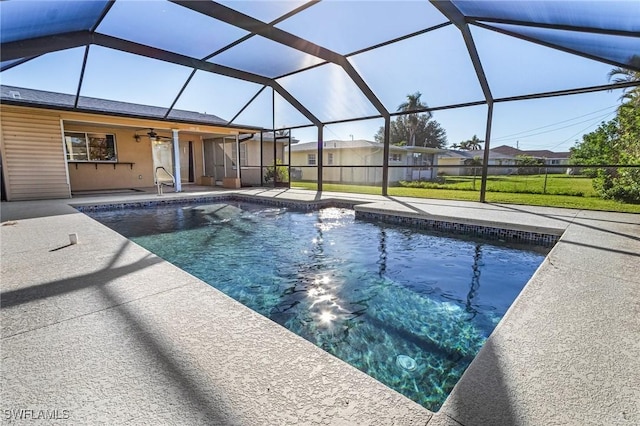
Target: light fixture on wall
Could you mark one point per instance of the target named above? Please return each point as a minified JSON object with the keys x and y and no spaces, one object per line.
{"x":137,"y":137}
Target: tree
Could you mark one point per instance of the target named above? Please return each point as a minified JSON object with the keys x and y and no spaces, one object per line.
{"x":472,"y":144}
{"x":596,"y":147}
{"x":615,"y":142}
{"x":434,"y":135}
{"x":427,"y":133}
{"x":413,"y":103}
{"x":623,"y":75}
{"x":528,"y":160}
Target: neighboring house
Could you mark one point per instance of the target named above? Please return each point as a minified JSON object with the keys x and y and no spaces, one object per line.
{"x":360,"y":162}
{"x":459,"y":162}
{"x":507,"y":150}
{"x":549,"y":157}
{"x":51,"y":148}
{"x":503,"y":159}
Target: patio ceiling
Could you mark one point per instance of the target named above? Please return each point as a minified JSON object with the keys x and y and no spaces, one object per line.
{"x":294,"y":63}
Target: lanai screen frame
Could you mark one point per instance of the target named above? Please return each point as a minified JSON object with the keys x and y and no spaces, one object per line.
{"x":17,"y":51}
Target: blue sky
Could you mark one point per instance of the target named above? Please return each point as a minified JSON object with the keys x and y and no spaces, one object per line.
{"x":435,"y":64}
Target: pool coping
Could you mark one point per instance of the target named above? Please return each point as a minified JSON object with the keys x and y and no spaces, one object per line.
{"x":500,"y":386}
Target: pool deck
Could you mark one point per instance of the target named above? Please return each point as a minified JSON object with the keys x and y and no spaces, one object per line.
{"x":105,"y":332}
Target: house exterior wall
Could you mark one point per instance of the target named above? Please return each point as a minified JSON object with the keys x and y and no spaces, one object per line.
{"x":450,"y":171}
{"x":507,"y":167}
{"x":343,"y":157}
{"x":557,"y":162}
{"x":89,"y":176}
{"x":33,"y":157}
{"x":250,"y":172}
{"x":140,"y":174}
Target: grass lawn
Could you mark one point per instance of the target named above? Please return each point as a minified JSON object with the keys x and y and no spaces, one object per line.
{"x":455,"y":188}
{"x":556,"y":184}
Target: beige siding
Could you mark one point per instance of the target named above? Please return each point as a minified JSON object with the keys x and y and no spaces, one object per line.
{"x":33,"y":156}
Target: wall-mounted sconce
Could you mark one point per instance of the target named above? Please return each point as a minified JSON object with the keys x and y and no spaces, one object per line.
{"x":137,"y":138}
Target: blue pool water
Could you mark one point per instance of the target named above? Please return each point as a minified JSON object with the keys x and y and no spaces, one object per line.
{"x":409,"y":308}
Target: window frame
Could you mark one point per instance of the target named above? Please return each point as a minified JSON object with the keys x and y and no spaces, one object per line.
{"x":90,"y":147}
{"x":329,"y":158}
{"x":310,"y":157}
{"x":242,"y":155}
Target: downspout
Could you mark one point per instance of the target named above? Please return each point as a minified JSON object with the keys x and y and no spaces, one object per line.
{"x":176,"y":160}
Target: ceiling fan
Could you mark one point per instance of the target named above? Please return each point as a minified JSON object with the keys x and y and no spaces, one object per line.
{"x":152,"y":135}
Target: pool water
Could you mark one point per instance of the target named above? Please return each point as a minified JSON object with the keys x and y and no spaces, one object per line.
{"x":407,"y":307}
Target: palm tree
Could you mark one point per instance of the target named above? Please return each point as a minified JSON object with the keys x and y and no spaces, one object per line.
{"x":413,"y":103}
{"x":623,"y":75}
{"x":472,"y":144}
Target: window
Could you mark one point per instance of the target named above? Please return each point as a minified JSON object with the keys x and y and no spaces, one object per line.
{"x":395,"y":157}
{"x":243,"y":155}
{"x":90,"y":146}
{"x":330,"y":159}
{"x":311,"y":159}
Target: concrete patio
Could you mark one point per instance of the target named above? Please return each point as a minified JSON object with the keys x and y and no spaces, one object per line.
{"x":106,"y":332}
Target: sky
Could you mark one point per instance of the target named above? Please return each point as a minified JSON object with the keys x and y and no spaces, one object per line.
{"x":436,"y":64}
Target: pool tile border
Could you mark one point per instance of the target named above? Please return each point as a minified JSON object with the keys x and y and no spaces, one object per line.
{"x":485,"y":232}
{"x":307,"y":206}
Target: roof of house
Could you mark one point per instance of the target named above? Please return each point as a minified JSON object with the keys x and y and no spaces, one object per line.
{"x":547,"y":154}
{"x":542,"y":153}
{"x":31,"y":97}
{"x":337,"y":144}
{"x":507,"y":150}
{"x":464,"y":155}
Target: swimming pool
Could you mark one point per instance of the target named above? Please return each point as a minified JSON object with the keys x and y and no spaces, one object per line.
{"x":407,"y":307}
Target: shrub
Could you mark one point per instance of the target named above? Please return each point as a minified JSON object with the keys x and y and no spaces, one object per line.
{"x":282,"y":173}
{"x":620,"y":185}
